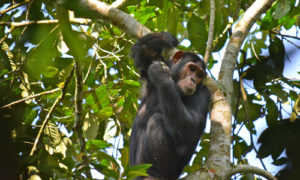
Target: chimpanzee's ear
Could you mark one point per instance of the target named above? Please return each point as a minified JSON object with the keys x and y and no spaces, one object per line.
{"x":177,"y":56}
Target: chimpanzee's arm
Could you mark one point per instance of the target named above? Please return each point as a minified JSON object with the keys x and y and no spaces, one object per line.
{"x":169,"y":96}
{"x":149,"y":48}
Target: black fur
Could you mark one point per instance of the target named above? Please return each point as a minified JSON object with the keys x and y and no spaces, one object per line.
{"x":169,"y":124}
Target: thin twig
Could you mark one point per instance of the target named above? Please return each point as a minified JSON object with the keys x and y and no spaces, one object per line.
{"x":79,"y":118}
{"x":297,"y":46}
{"x":30,"y":97}
{"x":246,"y":107}
{"x":88,"y":71}
{"x":6,"y":34}
{"x":254,"y":52}
{"x":13,"y":7}
{"x":41,"y":22}
{"x":210,"y":32}
{"x":227,"y":28}
{"x":285,"y":35}
{"x":254,"y":148}
{"x":250,"y":169}
{"x":44,"y":124}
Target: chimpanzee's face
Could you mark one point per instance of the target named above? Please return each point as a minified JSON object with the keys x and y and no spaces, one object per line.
{"x":189,"y":71}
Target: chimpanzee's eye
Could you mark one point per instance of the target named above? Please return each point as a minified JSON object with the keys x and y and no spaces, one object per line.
{"x":192,"y":68}
{"x":200,"y":74}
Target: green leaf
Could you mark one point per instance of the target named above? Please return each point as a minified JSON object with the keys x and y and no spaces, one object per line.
{"x":40,"y":57}
{"x":97,"y":144}
{"x":201,"y":156}
{"x":172,"y":20}
{"x":287,"y":21}
{"x":221,"y":42}
{"x":141,"y":167}
{"x":282,"y":8}
{"x":50,"y":72}
{"x":273,"y":141}
{"x":279,"y":91}
{"x":106,"y":112}
{"x":272,"y":115}
{"x":98,"y":98}
{"x":240,"y":148}
{"x":139,"y":170}
{"x":280,"y":161}
{"x":125,"y":157}
{"x":219,"y":22}
{"x":132,"y":83}
{"x":3,"y":71}
{"x":162,"y":19}
{"x":132,"y":174}
{"x":108,"y":165}
{"x":105,"y":170}
{"x":296,"y":110}
{"x":197,"y":33}
{"x":55,"y":141}
{"x":29,"y":115}
{"x":90,"y":126}
{"x":268,"y":22}
{"x":254,"y":111}
{"x":142,"y":14}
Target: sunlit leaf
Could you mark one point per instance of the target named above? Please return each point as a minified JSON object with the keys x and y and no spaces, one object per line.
{"x":56,"y":142}
{"x":282,"y":8}
{"x":125,"y":157}
{"x":268,"y":22}
{"x":90,"y":127}
{"x":139,"y":170}
{"x":106,"y":112}
{"x":29,"y":115}
{"x":97,"y":144}
{"x":296,"y":110}
{"x":50,"y":71}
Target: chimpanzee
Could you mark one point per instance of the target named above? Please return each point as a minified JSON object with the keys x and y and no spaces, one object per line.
{"x":173,"y":110}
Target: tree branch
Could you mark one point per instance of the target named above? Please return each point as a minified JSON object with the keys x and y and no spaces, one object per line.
{"x":285,"y":35}
{"x":241,"y":31}
{"x":76,"y":50}
{"x":117,"y":17}
{"x":118,"y":3}
{"x":221,"y":113}
{"x":6,"y":35}
{"x":44,"y":124}
{"x":210,"y":31}
{"x":250,"y":169}
{"x":55,"y":21}
{"x":30,"y":97}
{"x":13,"y":7}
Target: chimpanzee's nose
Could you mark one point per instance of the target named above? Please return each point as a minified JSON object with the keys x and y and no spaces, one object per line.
{"x":193,"y":80}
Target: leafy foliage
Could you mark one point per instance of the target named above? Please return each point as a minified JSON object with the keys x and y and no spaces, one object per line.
{"x":35,"y":64}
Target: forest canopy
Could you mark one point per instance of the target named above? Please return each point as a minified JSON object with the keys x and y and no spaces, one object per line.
{"x":69,"y":90}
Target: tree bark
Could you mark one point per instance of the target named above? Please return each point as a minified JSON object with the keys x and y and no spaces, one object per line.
{"x":221,"y":113}
{"x":118,"y":18}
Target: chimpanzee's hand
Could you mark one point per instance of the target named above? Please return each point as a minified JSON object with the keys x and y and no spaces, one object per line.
{"x":158,"y":71}
{"x":159,"y":67}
